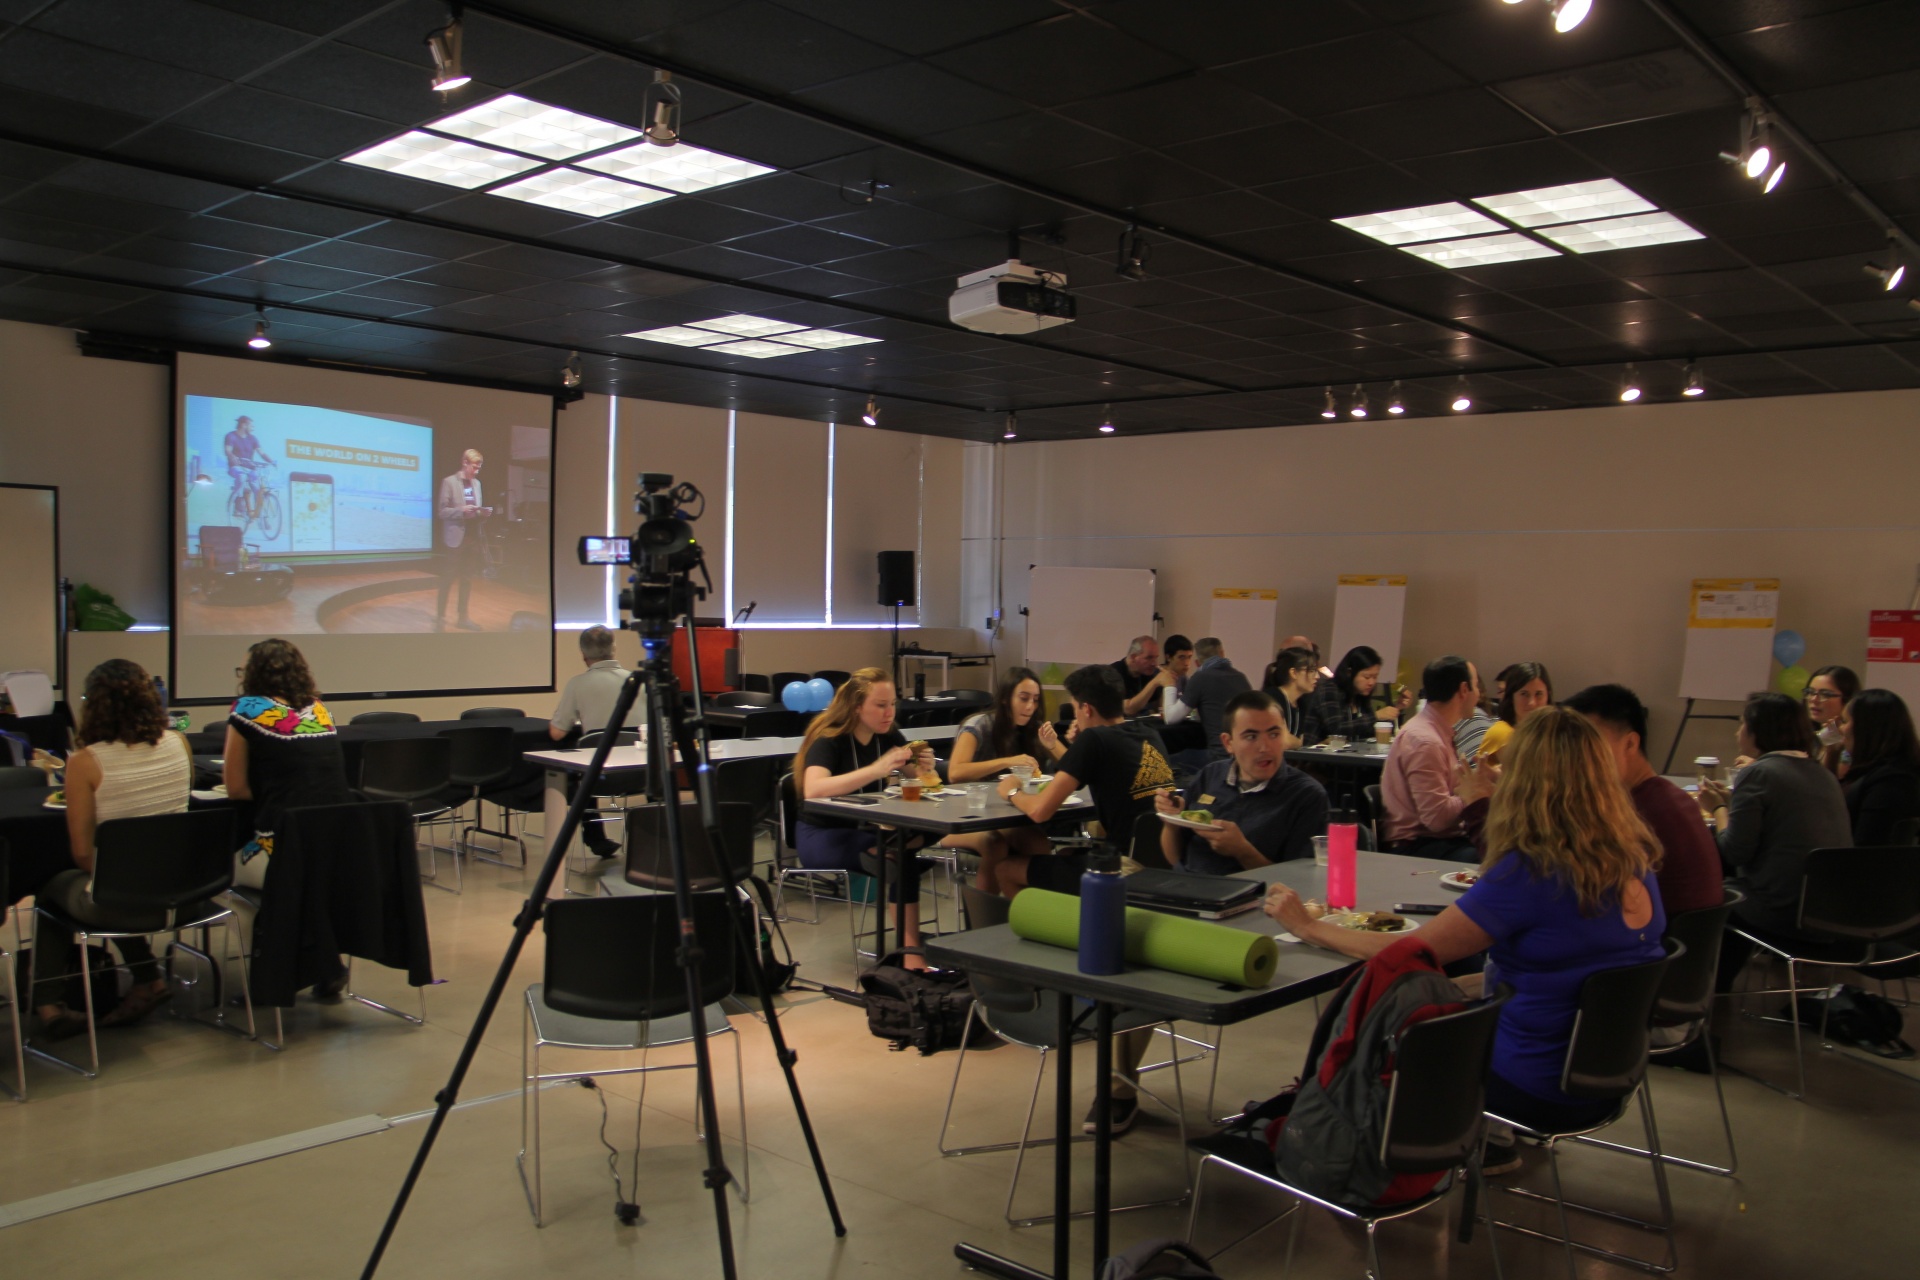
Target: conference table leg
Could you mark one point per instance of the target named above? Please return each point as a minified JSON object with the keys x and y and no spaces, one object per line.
{"x":1103,"y":1130}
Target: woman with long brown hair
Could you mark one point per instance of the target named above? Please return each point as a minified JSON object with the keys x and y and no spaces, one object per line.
{"x":281,"y":750}
{"x":1010,"y":733}
{"x":1566,"y":889}
{"x":851,"y":747}
{"x":127,"y":765}
{"x":1525,"y":688}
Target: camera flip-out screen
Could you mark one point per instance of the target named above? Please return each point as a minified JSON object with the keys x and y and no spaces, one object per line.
{"x":595,"y":549}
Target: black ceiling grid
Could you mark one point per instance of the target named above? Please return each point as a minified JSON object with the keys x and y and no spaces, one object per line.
{"x":167,"y":163}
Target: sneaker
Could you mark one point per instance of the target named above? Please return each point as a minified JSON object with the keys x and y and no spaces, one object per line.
{"x":1498,"y":1158}
{"x":1121,"y":1113}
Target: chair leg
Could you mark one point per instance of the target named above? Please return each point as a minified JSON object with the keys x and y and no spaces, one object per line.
{"x":1726,"y":1122}
{"x":953,"y":1088}
{"x":740,"y":1089}
{"x":19,"y":1088}
{"x":1373,"y":1250}
{"x":1793,"y":1011}
{"x":1013,"y":1184}
{"x":86,"y":987}
{"x":1560,"y":1203}
{"x":33,"y":998}
{"x":529,"y":1116}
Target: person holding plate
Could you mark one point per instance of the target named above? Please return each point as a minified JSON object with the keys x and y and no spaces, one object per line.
{"x":1263,"y":809}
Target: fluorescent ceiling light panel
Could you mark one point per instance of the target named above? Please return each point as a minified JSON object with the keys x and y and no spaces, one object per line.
{"x":756,"y":348}
{"x":1428,"y":222}
{"x":445,"y":160}
{"x":534,"y":127}
{"x":1578,"y":201}
{"x":680,"y":336}
{"x":1481,"y":251}
{"x":677,"y":168}
{"x":746,"y":326}
{"x":588,"y":194}
{"x":826,"y":339}
{"x":1621,"y":233}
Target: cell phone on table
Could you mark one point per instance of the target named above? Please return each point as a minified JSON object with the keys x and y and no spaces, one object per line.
{"x":1418,"y":908}
{"x":858,"y":799}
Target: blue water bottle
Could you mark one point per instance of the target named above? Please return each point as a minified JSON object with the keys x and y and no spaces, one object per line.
{"x":1103,"y":916}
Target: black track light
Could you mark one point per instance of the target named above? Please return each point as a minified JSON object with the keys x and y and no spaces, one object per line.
{"x":1329,"y":412}
{"x":1359,"y":407}
{"x":1396,"y":404}
{"x":871,"y":414}
{"x":1695,"y":387}
{"x":662,"y":110}
{"x":1013,"y":427}
{"x":1131,"y":255}
{"x":1629,"y":387}
{"x":1757,"y":157}
{"x":1106,"y":421}
{"x":1462,"y":401}
{"x":259,"y":341}
{"x":572,"y":373}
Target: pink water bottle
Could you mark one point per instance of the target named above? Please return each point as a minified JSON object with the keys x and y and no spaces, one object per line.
{"x":1343,"y":844}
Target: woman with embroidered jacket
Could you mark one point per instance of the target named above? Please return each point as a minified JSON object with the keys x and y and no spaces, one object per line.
{"x":282,"y":750}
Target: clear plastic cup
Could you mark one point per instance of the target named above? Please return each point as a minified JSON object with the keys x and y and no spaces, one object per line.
{"x":1022,"y":772}
{"x":1319,"y":851}
{"x":977,"y":795}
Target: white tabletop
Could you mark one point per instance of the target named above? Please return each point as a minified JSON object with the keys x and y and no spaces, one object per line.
{"x":626,"y":759}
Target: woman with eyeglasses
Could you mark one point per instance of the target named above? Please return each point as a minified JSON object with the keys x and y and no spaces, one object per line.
{"x":1829,"y":690}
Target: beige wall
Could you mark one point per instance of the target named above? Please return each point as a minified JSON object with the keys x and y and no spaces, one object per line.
{"x":1568,"y":537}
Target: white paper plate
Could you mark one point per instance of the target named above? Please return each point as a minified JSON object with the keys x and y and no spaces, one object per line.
{"x":1175,"y":820}
{"x":1457,"y":881}
{"x":1342,"y":917}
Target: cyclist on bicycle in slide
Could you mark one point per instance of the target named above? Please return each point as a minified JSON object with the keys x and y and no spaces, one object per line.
{"x":243,"y":449}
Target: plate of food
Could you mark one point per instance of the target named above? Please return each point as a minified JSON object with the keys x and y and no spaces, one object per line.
{"x":1192,"y":819}
{"x":1460,"y":881}
{"x":1371,"y":921}
{"x":58,"y":800}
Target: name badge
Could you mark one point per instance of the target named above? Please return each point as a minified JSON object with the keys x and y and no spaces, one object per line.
{"x":1206,"y":799}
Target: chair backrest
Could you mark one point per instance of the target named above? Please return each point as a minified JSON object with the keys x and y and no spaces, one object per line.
{"x":493,"y":713}
{"x":998,"y":995}
{"x":832,"y":677}
{"x":220,"y":546}
{"x":1611,"y":1033}
{"x":21,"y":777}
{"x":624,"y":738}
{"x":755,"y":684}
{"x":781,"y":679}
{"x":385,"y":717}
{"x":405,"y":768}
{"x":480,"y":755}
{"x":1375,"y":807}
{"x":1687,"y":992}
{"x":1145,"y":847}
{"x":747,"y":782}
{"x":650,"y":863}
{"x":1437,"y":1097}
{"x":613,"y":958}
{"x":787,"y":802}
{"x":967,"y":701}
{"x":1869,"y":893}
{"x":164,"y":861}
{"x":774,"y":722}
{"x":743,"y":698}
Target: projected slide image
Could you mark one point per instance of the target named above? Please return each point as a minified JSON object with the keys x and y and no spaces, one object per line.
{"x":300,"y":519}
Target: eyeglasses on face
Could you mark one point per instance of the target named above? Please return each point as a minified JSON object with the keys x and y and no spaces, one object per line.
{"x":1822,"y":695}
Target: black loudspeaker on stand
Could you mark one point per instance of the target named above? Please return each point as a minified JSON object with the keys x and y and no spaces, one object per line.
{"x":896,"y":589}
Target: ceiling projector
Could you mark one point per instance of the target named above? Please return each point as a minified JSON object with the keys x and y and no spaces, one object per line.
{"x":1011,"y":298}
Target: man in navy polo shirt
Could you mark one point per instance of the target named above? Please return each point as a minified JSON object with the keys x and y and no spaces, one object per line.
{"x":1267,"y":810}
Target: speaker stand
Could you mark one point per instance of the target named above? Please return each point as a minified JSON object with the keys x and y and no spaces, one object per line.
{"x":896,"y":648}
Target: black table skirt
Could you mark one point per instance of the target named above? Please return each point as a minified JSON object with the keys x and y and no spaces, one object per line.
{"x":36,"y":838}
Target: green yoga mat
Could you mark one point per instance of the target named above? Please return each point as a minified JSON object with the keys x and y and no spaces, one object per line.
{"x":1155,"y":939}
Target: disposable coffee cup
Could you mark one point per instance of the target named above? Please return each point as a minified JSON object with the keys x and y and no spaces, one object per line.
{"x":1706,"y":768}
{"x":1383,"y":732}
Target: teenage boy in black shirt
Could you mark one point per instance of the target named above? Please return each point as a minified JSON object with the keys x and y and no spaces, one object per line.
{"x":1267,"y":810}
{"x":1121,"y":762}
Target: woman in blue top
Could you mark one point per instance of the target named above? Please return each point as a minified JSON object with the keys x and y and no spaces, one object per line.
{"x":1567,"y":889}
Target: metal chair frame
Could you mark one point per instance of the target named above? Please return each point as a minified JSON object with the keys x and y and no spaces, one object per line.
{"x":11,"y":980}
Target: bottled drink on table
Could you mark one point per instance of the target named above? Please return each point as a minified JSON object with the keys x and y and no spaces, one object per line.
{"x":1103,"y":916}
{"x":1343,"y":872}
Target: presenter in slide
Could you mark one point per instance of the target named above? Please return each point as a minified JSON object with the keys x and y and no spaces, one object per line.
{"x":244,"y":454}
{"x":461,"y":515}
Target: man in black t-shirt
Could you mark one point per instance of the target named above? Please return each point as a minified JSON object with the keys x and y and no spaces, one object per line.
{"x":1139,"y":667}
{"x":1122,"y":763}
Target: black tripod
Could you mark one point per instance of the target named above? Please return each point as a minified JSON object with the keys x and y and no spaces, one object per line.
{"x":666,"y":724}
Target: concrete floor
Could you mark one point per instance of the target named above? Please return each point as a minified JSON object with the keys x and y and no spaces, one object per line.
{"x":1824,"y":1186}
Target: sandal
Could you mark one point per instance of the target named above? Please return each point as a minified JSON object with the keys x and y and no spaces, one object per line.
{"x":137,"y":1005}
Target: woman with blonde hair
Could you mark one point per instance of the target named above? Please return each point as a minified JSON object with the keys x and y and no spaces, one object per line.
{"x":851,"y":747}
{"x":1566,"y":889}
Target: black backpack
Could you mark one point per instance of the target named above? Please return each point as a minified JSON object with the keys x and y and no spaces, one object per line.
{"x":1858,"y":1018}
{"x":1163,"y":1259}
{"x":925,"y":1008}
{"x":758,"y":951}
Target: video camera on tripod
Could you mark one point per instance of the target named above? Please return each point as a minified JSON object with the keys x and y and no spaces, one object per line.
{"x":663,"y":554}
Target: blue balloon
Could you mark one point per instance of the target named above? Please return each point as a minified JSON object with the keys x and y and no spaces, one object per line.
{"x":1789,"y":647}
{"x":796,"y":696}
{"x":819,"y":694}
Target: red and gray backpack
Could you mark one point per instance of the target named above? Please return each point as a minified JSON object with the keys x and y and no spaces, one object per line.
{"x":1325,"y":1132}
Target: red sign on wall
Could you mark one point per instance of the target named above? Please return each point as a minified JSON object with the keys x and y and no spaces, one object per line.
{"x":1893,"y":635}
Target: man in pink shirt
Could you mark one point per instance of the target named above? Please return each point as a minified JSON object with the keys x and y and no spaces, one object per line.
{"x":1418,"y":787}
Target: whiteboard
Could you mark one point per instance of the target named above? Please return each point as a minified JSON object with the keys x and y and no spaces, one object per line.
{"x":1243,"y":620}
{"x":1369,"y":609}
{"x":1081,"y":616}
{"x":1730,"y":625}
{"x":29,"y":579}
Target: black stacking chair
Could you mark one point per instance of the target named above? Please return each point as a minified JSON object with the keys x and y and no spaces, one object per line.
{"x":781,"y":679}
{"x":745,"y":698}
{"x":1607,"y":1061}
{"x":1868,"y":902}
{"x":385,"y":717}
{"x":1686,"y":997}
{"x":417,"y":772}
{"x":480,"y":758}
{"x":168,"y":868}
{"x":1434,"y":1123}
{"x":650,"y":862}
{"x":1375,"y":806}
{"x":10,"y":980}
{"x":612,"y":984}
{"x":834,"y":678}
{"x":493,"y":713}
{"x":755,"y":684}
